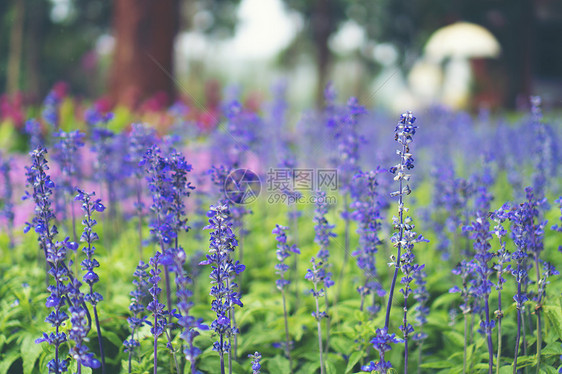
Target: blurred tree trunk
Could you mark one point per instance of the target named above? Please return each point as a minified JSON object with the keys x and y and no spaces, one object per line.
{"x":322,"y":29}
{"x":527,"y":33}
{"x":16,"y":46}
{"x":143,"y":57}
{"x":34,"y":37}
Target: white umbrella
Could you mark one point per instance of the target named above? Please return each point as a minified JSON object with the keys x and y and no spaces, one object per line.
{"x":462,"y":40}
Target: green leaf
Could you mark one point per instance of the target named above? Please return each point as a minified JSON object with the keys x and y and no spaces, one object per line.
{"x":554,"y":315}
{"x":309,"y":367}
{"x":548,"y":369}
{"x":331,"y":368}
{"x":454,"y":337}
{"x":508,"y":369}
{"x":111,"y":336}
{"x":7,"y":360}
{"x":340,"y":345}
{"x":353,"y":360}
{"x":552,"y":349}
{"x":437,"y":364}
{"x":30,"y":353}
{"x":278,"y":364}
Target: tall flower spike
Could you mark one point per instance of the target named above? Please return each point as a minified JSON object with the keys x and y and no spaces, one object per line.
{"x":283,"y":253}
{"x":256,"y":366}
{"x":503,"y":257}
{"x":404,"y":237}
{"x":480,"y":234}
{"x":66,"y":155}
{"x":324,"y":232}
{"x":80,"y":328}
{"x":317,"y":274}
{"x":33,"y":130}
{"x":224,"y":271}
{"x":466,"y":270}
{"x":140,"y":139}
{"x":188,"y":324}
{"x":558,"y":227}
{"x":90,"y":205}
{"x":158,"y":176}
{"x":42,"y":188}
{"x":55,"y":252}
{"x":348,"y":143}
{"x":366,"y":211}
{"x":542,"y":145}
{"x":155,"y":307}
{"x":56,"y":255}
{"x":7,"y":211}
{"x":180,"y":188}
{"x":520,"y":229}
{"x":347,"y":139}
{"x":137,"y":320}
{"x":51,"y":106}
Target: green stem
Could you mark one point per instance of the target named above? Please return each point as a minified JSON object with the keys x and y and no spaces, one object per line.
{"x":465,"y":343}
{"x":287,"y":340}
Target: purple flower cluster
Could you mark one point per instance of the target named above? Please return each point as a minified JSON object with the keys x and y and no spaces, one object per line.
{"x":381,"y":342}
{"x":189,"y":325}
{"x":480,"y":234}
{"x":324,"y":232}
{"x":284,"y":251}
{"x":33,"y":130}
{"x":42,"y":187}
{"x":81,"y":324}
{"x":404,"y":237}
{"x":90,"y":205}
{"x":256,"y":366}
{"x":55,"y":253}
{"x":51,"y":106}
{"x":366,"y":208}
{"x":66,"y":155}
{"x":348,"y":139}
{"x":168,"y":185}
{"x":136,"y":307}
{"x":154,"y":306}
{"x":558,"y":227}
{"x":224,"y":271}
{"x":7,"y":210}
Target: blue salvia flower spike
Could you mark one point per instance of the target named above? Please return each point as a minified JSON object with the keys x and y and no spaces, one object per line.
{"x":7,"y":211}
{"x":316,"y":274}
{"x":189,"y":325}
{"x":140,"y":139}
{"x":404,"y":237}
{"x":67,"y":156}
{"x":503,"y":257}
{"x":155,"y":307}
{"x":256,"y":365}
{"x":284,"y":251}
{"x":80,"y":328}
{"x":479,"y":232}
{"x":136,"y":307}
{"x":90,"y":205}
{"x":323,"y":233}
{"x":366,"y":211}
{"x":223,"y":242}
{"x":519,"y":217}
{"x":42,"y":188}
